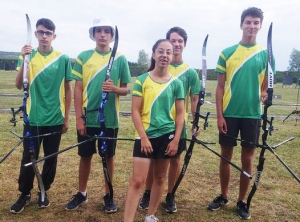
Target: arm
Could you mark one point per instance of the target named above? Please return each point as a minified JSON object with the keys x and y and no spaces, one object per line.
{"x":19,"y":78}
{"x":136,"y":108}
{"x":179,"y":122}
{"x":68,"y":101}
{"x":78,"y":107}
{"x":264,"y":88}
{"x":108,"y":86}
{"x":219,"y":103}
{"x":194,"y":102}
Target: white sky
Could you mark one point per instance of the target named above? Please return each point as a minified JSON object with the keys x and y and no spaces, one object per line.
{"x":142,"y":22}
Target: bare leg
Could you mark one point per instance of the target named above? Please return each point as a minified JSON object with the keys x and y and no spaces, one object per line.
{"x":174,"y":171}
{"x":84,"y":172}
{"x":149,"y":180}
{"x":247,"y":165}
{"x":140,"y":171}
{"x":159,"y":177}
{"x":224,"y":170}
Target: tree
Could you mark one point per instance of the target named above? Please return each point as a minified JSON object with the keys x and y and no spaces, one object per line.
{"x":143,"y":60}
{"x":294,"y":61}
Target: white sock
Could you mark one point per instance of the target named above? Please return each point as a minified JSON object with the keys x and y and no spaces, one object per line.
{"x":83,"y":193}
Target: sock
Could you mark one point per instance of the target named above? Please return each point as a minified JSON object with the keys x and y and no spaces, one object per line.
{"x":83,"y":193}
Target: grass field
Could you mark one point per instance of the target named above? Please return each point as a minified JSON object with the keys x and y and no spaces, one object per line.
{"x":277,"y":197}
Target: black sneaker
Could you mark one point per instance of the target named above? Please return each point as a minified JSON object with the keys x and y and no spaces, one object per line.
{"x":19,"y":205}
{"x":243,"y":211}
{"x":144,"y":201}
{"x":43,"y":204}
{"x":217,"y":203}
{"x":170,"y":203}
{"x":109,"y":205}
{"x":76,"y":201}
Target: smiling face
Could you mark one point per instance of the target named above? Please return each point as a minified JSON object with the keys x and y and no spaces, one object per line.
{"x":163,"y":54}
{"x":250,"y":27}
{"x":178,"y":43}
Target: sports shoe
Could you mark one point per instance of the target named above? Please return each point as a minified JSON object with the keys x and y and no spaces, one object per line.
{"x":76,"y":201}
{"x":243,"y":211}
{"x":109,"y":205}
{"x":20,"y":204}
{"x":144,"y":202}
{"x":217,"y":203}
{"x":151,"y":218}
{"x":43,"y":204}
{"x":170,"y":203}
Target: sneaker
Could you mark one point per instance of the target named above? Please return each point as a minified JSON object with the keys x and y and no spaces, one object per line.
{"x":144,"y":202}
{"x":20,"y":204}
{"x":109,"y":204}
{"x":243,"y":211}
{"x":76,"y":201}
{"x":170,"y":203}
{"x":217,"y":203}
{"x":43,"y":204}
{"x":151,"y":218}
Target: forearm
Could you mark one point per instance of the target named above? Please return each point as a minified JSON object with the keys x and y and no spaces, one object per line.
{"x":19,"y":77}
{"x":137,"y":121}
{"x":68,"y":99}
{"x":121,"y":91}
{"x":219,"y":103}
{"x":179,"y":119}
{"x":194,"y":102}
{"x":78,"y":101}
{"x":179,"y":123}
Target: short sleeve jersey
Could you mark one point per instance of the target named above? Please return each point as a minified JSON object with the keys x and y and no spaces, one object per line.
{"x":90,"y":68}
{"x":190,"y":81}
{"x":47,"y":75}
{"x":158,"y":100}
{"x":245,"y":69}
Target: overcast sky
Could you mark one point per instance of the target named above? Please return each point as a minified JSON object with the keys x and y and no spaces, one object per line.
{"x":142,"y":22}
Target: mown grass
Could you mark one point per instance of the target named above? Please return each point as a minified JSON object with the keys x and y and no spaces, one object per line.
{"x":277,"y":198}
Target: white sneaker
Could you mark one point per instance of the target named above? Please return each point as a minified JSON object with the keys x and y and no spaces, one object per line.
{"x":151,"y":218}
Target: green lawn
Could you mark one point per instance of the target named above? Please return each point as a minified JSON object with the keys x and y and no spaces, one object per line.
{"x":277,"y":197}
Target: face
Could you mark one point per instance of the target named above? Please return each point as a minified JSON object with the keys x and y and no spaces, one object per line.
{"x":178,"y":43}
{"x":44,"y":36}
{"x":251,"y":26}
{"x":103,"y":35}
{"x":163,"y":54}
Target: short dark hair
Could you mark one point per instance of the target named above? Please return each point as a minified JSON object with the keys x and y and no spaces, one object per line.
{"x":254,"y":12}
{"x":179,"y":31}
{"x":47,"y":23}
{"x":154,"y":47}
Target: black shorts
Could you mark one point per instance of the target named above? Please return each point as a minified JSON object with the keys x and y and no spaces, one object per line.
{"x":249,"y":131}
{"x":159,"y":146}
{"x":89,"y":148}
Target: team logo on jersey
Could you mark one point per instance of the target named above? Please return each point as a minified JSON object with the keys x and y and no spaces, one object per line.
{"x":54,"y":66}
{"x":171,"y":136}
{"x":257,"y":58}
{"x":148,"y":87}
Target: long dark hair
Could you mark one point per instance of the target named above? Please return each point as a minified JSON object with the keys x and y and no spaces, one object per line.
{"x":152,"y":63}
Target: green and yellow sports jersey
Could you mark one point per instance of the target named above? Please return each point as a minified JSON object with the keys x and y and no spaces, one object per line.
{"x":245,"y":69}
{"x":47,"y":76}
{"x":191,"y":86}
{"x":158,"y":100}
{"x":90,"y":68}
